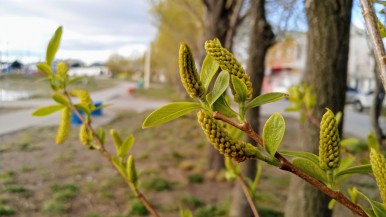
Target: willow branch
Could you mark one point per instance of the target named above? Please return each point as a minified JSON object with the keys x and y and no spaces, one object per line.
{"x":247,"y":195}
{"x":288,"y":166}
{"x":375,"y":38}
{"x":107,"y":155}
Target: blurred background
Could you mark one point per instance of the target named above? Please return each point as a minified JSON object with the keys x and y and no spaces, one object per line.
{"x":127,"y":54}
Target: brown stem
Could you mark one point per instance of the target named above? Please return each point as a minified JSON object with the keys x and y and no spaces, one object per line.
{"x":288,"y":166}
{"x":247,"y":195}
{"x":375,"y":38}
{"x":106,"y":154}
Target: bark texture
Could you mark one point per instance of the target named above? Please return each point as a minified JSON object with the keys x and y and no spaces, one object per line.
{"x":326,"y":70}
{"x":376,"y":109}
{"x":261,"y":38}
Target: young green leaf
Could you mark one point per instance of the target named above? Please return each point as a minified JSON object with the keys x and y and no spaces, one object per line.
{"x":47,"y":110}
{"x":273,"y":133}
{"x":221,"y":105}
{"x":60,"y":98}
{"x":117,"y":140}
{"x":169,"y":112}
{"x":44,"y":67}
{"x":310,"y":168}
{"x":265,"y":98}
{"x":240,"y":89}
{"x":306,"y":155}
{"x":378,"y":208}
{"x":81,"y":107}
{"x":126,"y":146}
{"x":132,"y":175}
{"x":331,"y":204}
{"x":219,"y":87}
{"x":75,"y":79}
{"x":208,"y":70}
{"x":53,"y":45}
{"x":362,"y":169}
{"x":345,"y":163}
{"x":119,"y":166}
{"x":101,"y":135}
{"x":349,"y":142}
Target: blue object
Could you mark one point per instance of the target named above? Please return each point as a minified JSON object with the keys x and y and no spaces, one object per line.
{"x":98,"y":111}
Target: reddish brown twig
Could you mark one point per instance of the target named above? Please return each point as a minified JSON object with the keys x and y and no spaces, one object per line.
{"x":288,"y":166}
{"x":247,"y":195}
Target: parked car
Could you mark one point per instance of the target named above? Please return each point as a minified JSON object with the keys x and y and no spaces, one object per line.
{"x":364,"y":100}
{"x":350,"y":95}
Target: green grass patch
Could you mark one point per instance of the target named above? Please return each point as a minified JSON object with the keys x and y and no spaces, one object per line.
{"x":196,"y":178}
{"x":15,"y":188}
{"x":53,"y":206}
{"x":137,"y":208}
{"x":211,"y":211}
{"x":157,"y":184}
{"x":6,"y":211}
{"x":192,"y":201}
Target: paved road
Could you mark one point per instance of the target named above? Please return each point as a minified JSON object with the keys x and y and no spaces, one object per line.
{"x":356,"y":124}
{"x":116,"y":96}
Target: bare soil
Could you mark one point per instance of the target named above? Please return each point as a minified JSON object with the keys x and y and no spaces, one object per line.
{"x":40,"y":179}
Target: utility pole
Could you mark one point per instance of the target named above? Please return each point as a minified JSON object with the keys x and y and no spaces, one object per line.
{"x":147,"y":68}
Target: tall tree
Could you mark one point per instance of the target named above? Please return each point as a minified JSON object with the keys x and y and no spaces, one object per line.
{"x":261,"y":37}
{"x":326,"y":69}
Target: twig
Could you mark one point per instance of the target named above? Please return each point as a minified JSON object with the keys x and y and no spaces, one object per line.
{"x":375,"y":38}
{"x":288,"y":166}
{"x":106,"y":154}
{"x":247,"y":195}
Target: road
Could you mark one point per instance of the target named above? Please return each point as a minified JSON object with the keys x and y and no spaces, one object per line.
{"x":356,"y":124}
{"x":116,"y":96}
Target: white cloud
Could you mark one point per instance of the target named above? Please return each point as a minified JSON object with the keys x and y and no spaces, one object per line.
{"x":93,"y":29}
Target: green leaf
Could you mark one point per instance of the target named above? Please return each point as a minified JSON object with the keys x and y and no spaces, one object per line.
{"x":378,"y":208}
{"x":126,"y":146}
{"x":338,"y":118}
{"x":362,"y":169}
{"x":47,"y":110}
{"x":310,"y":168}
{"x":241,"y":90}
{"x":221,"y":105}
{"x":169,"y":112}
{"x":349,"y":142}
{"x":101,"y":135}
{"x":373,"y":141}
{"x":81,"y":107}
{"x":44,"y":67}
{"x":331,"y":204}
{"x":60,"y":98}
{"x":119,"y":166}
{"x":53,"y":45}
{"x":132,"y":175}
{"x":345,"y":163}
{"x":266,"y":98}
{"x":306,"y":155}
{"x":208,"y":70}
{"x":219,"y":87}
{"x":273,"y":133}
{"x":75,"y":79}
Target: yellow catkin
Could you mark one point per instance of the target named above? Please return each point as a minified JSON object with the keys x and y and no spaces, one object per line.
{"x":378,"y":165}
{"x":64,"y":126}
{"x":220,"y":139}
{"x":84,"y":98}
{"x":188,"y":72}
{"x":85,"y":135}
{"x":61,"y":70}
{"x":329,"y":143}
{"x":228,"y":62}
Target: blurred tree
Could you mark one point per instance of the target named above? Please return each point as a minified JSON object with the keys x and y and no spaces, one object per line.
{"x":326,"y":69}
{"x":117,"y":64}
{"x":177,"y":21}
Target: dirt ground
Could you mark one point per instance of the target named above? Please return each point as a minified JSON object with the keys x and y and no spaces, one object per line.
{"x":41,"y":179}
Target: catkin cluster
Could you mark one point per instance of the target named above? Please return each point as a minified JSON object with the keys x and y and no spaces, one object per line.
{"x":378,"y":164}
{"x":84,"y":98}
{"x":188,"y":72}
{"x":64,"y":126}
{"x":85,"y":135}
{"x":228,"y":62}
{"x":220,"y":138}
{"x":329,"y":143}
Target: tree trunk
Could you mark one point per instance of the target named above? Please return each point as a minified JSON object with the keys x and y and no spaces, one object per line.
{"x":222,"y":20}
{"x":328,"y":45}
{"x":376,"y":109}
{"x":261,"y":38}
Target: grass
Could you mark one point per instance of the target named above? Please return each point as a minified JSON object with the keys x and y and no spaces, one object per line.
{"x":137,"y":208}
{"x":157,"y":184}
{"x":192,"y":201}
{"x":62,"y":194}
{"x":196,"y":178}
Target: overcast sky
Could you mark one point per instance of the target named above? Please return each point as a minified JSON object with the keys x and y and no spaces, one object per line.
{"x":92,"y":29}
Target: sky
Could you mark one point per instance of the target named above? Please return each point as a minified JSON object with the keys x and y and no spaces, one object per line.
{"x":92,"y":29}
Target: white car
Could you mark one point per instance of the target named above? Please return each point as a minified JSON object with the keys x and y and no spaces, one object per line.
{"x":363,"y":101}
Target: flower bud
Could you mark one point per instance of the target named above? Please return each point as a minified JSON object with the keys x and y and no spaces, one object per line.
{"x":378,"y":165}
{"x":220,"y":139}
{"x":329,"y":143}
{"x":188,"y":72}
{"x":228,"y":62}
{"x":85,"y":135}
{"x":64,"y":126}
{"x":84,"y":98}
